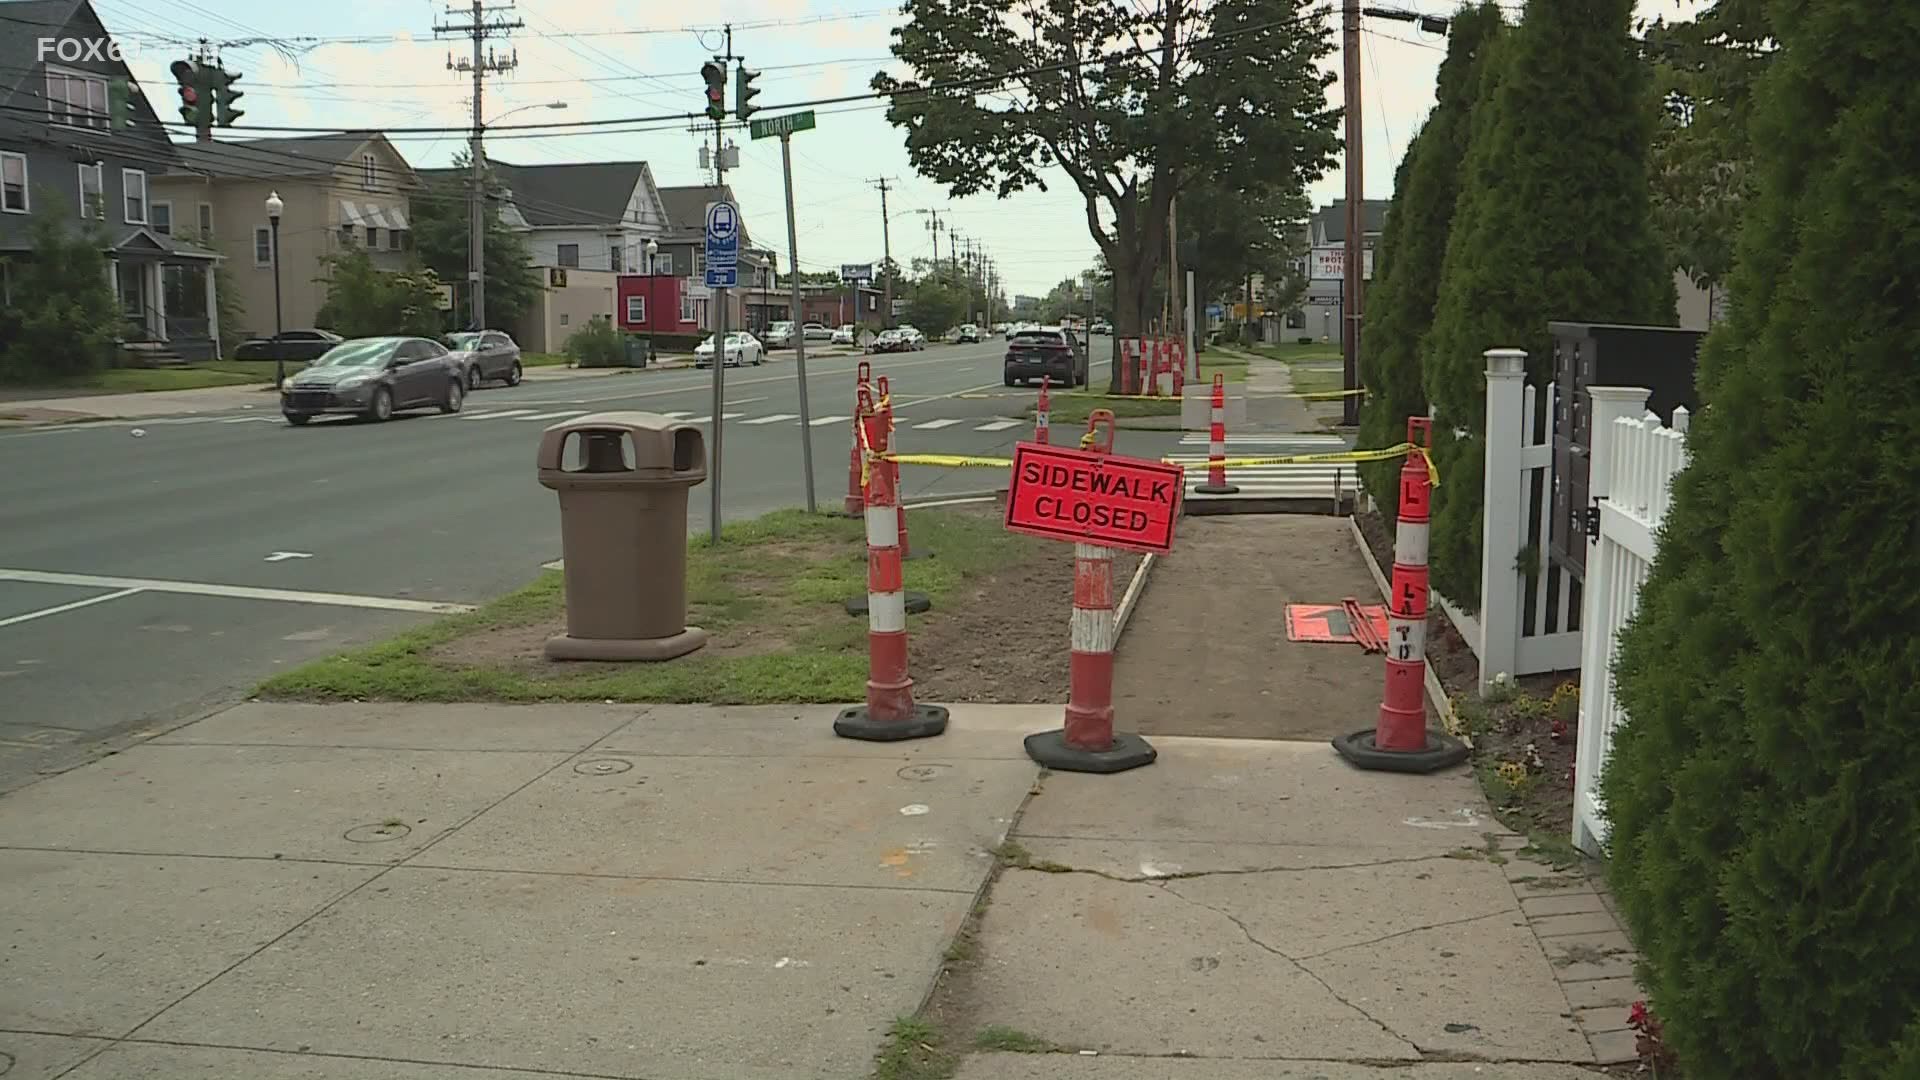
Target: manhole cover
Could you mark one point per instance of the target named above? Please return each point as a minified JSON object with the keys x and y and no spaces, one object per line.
{"x":922,"y":772}
{"x":377,"y":834}
{"x":605,"y":766}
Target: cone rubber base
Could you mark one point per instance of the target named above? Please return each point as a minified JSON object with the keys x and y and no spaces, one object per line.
{"x":918,"y":603}
{"x":1223,"y":489}
{"x":1128,"y":751}
{"x":854,"y":723}
{"x":1442,"y":751}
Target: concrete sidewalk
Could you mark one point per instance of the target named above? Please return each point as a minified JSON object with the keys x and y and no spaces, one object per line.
{"x":699,"y":893}
{"x":65,"y":410}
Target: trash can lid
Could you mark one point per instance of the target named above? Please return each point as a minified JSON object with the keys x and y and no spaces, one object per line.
{"x":662,"y":446}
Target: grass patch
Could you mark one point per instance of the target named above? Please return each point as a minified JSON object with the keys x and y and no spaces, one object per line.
{"x":1233,"y":367}
{"x":1071,"y":410}
{"x":544,"y":359}
{"x":1292,"y":352}
{"x":1012,"y":1040}
{"x":779,"y":579}
{"x":197,"y":376}
{"x":913,"y":1052}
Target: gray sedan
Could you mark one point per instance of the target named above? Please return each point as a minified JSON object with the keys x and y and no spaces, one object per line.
{"x":373,"y":377}
{"x":485,"y":355}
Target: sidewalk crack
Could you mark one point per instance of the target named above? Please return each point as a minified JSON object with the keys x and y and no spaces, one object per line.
{"x":1409,"y":930}
{"x":1297,"y":966}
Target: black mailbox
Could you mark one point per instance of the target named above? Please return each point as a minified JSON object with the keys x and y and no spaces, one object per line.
{"x":1659,"y":358}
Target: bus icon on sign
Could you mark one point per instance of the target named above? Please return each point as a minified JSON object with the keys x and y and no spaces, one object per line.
{"x":722,"y":222}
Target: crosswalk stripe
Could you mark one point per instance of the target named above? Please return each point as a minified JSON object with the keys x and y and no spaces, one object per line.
{"x":822,"y":421}
{"x":774,"y":419}
{"x":999,"y":425}
{"x":495,"y":415}
{"x":935,"y":425}
{"x":708,"y":419}
{"x":677,"y":414}
{"x":561,"y":415}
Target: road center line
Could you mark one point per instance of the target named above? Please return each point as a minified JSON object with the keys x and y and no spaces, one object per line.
{"x":233,"y":592}
{"x":88,"y":602}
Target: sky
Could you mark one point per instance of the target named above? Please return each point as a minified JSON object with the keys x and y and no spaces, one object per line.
{"x":610,"y":60}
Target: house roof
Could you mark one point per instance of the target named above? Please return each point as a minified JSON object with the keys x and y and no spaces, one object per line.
{"x":22,"y":23}
{"x":687,"y":209}
{"x":305,"y":155}
{"x":1331,"y":220}
{"x":579,"y":193}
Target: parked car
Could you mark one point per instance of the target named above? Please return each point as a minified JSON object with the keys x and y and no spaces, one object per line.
{"x":742,"y":348}
{"x":969,"y":335}
{"x":374,"y":377}
{"x":889,"y":341}
{"x":912,"y":336}
{"x":1101,"y":326}
{"x":485,"y":355}
{"x":814,"y":331}
{"x":844,"y":335}
{"x":292,"y":345}
{"x":1052,"y":351}
{"x":780,"y":336}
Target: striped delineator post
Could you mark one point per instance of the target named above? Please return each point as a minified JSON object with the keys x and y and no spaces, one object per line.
{"x":1086,"y":742}
{"x":1179,"y":369}
{"x":856,"y":501}
{"x":885,"y":407}
{"x":1041,"y":415}
{"x":1217,"y":443}
{"x":1140,"y":387}
{"x":890,"y":713}
{"x":1401,"y":741}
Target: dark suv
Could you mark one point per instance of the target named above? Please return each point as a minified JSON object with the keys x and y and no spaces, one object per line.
{"x":1045,"y":350}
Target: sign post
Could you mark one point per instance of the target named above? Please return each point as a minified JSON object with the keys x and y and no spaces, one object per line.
{"x":723,"y":255}
{"x":784,"y":127}
{"x":1100,"y":502}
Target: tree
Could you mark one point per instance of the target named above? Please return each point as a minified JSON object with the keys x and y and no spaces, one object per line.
{"x":1133,"y":102}
{"x":1553,"y":222}
{"x":1413,"y":246}
{"x":441,"y":238}
{"x":1704,"y":73}
{"x":364,"y":301}
{"x":1764,"y":791}
{"x":1227,"y":235}
{"x":62,"y":321}
{"x":935,"y":306}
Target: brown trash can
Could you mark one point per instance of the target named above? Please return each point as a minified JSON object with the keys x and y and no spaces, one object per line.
{"x":623,"y":480}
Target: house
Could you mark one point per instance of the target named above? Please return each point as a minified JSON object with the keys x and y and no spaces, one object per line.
{"x":829,"y":305}
{"x":681,"y":260}
{"x":349,"y":189}
{"x":1318,"y":315}
{"x":61,"y":153}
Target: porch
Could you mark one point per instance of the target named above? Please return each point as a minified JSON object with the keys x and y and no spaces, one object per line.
{"x":166,"y":292}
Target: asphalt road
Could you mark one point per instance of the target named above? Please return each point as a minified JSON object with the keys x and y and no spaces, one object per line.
{"x":145,"y":580}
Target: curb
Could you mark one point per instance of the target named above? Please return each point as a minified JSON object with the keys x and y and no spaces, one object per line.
{"x":1436,"y":694}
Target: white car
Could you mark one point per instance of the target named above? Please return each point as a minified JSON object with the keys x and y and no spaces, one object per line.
{"x":814,"y":331}
{"x":742,"y":348}
{"x":780,"y":336}
{"x":844,"y":335}
{"x":913,"y":337}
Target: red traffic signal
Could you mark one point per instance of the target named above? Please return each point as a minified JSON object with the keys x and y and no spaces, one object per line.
{"x":190,"y":106}
{"x":715,"y":74}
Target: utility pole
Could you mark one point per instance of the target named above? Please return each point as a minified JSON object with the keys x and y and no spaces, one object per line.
{"x":479,"y":29}
{"x":1352,"y":302}
{"x":1174,"y":303}
{"x":886,"y":248}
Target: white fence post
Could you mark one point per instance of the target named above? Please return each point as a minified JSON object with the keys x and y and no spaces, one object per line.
{"x":1502,"y":510}
{"x":1598,"y":620}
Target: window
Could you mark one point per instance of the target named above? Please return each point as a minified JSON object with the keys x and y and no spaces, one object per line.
{"x":636,"y":309}
{"x":206,"y":222}
{"x":76,"y":99}
{"x":686,"y":307}
{"x":346,"y":236}
{"x":262,"y":246}
{"x":614,"y":260}
{"x":568,"y":255}
{"x":563,"y":318}
{"x":367,"y":171}
{"x":397,"y":239}
{"x":13,"y":183}
{"x":93,"y":186}
{"x":162,"y":213}
{"x":373,"y":238}
{"x":663,"y":263}
{"x":133,"y":184}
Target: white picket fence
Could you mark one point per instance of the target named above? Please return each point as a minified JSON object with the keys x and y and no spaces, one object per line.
{"x":1634,"y":462}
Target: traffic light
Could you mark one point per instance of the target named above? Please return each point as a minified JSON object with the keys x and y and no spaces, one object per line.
{"x":120,"y":93}
{"x":224,"y":95}
{"x":716,"y":75}
{"x":188,"y":77}
{"x":744,"y":91}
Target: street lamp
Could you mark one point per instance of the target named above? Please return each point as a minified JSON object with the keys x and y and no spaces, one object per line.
{"x":274,"y":207}
{"x":476,"y":220}
{"x":653,"y":246}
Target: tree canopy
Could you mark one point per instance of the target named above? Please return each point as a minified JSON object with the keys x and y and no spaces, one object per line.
{"x":1133,"y":102}
{"x":61,"y":319}
{"x":440,"y":237}
{"x":365,"y":301}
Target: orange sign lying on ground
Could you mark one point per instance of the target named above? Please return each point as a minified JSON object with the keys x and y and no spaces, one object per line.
{"x":1093,"y":498}
{"x":1330,"y":623}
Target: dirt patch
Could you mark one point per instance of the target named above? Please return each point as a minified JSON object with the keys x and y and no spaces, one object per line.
{"x":1207,"y":651}
{"x":1007,"y":640}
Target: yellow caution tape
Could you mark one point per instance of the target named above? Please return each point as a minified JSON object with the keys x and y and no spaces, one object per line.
{"x":1328,"y":395}
{"x":1343,"y":457}
{"x":950,"y":461}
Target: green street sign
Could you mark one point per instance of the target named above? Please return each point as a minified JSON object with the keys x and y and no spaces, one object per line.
{"x":782,"y":125}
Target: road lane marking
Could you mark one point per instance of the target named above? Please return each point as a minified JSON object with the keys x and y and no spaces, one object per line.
{"x":88,"y":602}
{"x":561,"y":415}
{"x":823,"y":421}
{"x":936,"y":425}
{"x":723,"y":416}
{"x":677,"y":414}
{"x":745,"y":401}
{"x":234,"y":592}
{"x":496,"y":415}
{"x":283,"y":556}
{"x":999,"y":425}
{"x":774,"y":419}
{"x":251,"y":420}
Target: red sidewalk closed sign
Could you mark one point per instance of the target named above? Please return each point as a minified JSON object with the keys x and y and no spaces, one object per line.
{"x":1089,"y":498}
